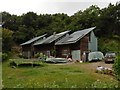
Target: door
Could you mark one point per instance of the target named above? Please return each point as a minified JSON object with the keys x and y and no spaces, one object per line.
{"x":48,"y":53}
{"x":29,"y":54}
{"x":76,"y":55}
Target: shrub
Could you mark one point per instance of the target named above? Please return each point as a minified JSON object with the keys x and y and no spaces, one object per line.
{"x":12,"y":63}
{"x":53,"y":53}
{"x":41,"y":56}
{"x":25,"y":63}
{"x":4,"y":56}
{"x":106,"y":45}
{"x":37,"y":55}
{"x":22,"y":56}
{"x":116,"y":66}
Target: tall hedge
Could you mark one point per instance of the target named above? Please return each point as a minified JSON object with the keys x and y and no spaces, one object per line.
{"x":116,"y":65}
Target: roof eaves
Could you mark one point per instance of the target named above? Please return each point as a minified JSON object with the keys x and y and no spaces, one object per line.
{"x":74,"y":41}
{"x":47,"y":41}
{"x":92,"y":28}
{"x":30,"y":41}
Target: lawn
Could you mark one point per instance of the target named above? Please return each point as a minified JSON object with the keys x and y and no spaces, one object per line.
{"x":0,"y":74}
{"x":76,"y":75}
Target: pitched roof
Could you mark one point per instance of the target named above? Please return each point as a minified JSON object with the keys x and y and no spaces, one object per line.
{"x":73,"y":38}
{"x":51,"y":38}
{"x":33,"y":40}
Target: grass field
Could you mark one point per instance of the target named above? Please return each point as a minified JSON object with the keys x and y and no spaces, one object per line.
{"x":0,"y":74}
{"x":74,"y":75}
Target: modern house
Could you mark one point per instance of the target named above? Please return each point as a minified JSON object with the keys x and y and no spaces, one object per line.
{"x":77,"y":44}
{"x":28,"y":48}
{"x":47,"y":46}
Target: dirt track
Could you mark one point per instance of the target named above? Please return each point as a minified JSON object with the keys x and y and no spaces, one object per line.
{"x":93,"y":65}
{"x":90,"y":66}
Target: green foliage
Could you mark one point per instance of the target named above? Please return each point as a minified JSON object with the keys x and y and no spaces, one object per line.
{"x":116,"y":65}
{"x":29,"y":19}
{"x":109,"y":21}
{"x":12,"y":63}
{"x":8,"y":55}
{"x":25,"y":62}
{"x":37,"y":55}
{"x":22,"y":56}
{"x":7,"y":40}
{"x":108,"y":45}
{"x":40,"y":56}
{"x":5,"y":56}
{"x":29,"y":25}
{"x":53,"y":53}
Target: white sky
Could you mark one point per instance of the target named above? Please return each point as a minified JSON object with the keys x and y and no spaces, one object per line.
{"x":18,"y":7}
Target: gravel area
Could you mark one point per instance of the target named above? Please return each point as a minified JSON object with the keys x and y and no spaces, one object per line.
{"x":89,"y":66}
{"x":95,"y":64}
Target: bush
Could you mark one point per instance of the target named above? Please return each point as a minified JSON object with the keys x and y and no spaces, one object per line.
{"x":53,"y":53}
{"x":22,"y":56}
{"x":25,"y":63}
{"x":106,"y":45}
{"x":5,"y":56}
{"x":41,"y":56}
{"x":12,"y":63}
{"x":37,"y":55}
{"x":116,"y":66}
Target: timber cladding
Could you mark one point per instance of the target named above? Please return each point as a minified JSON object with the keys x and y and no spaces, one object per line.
{"x":63,"y":44}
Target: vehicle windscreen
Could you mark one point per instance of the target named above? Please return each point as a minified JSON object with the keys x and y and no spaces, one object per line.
{"x":110,"y":55}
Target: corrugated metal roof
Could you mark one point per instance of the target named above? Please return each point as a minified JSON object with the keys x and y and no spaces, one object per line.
{"x":74,"y":37}
{"x":33,"y":40}
{"x":51,"y":38}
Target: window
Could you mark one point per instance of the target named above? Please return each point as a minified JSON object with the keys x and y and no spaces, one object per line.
{"x":65,"y":52}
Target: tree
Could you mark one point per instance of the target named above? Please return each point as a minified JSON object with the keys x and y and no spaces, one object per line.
{"x":7,"y":40}
{"x":85,"y":19}
{"x":5,"y":19}
{"x":29,"y":19}
{"x":29,"y":25}
{"x":109,"y":21}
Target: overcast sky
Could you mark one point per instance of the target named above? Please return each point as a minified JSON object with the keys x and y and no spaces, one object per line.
{"x":18,"y":7}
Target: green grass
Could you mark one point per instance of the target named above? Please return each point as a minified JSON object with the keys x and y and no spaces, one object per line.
{"x":56,"y":76}
{"x":0,"y":74}
{"x":26,"y":62}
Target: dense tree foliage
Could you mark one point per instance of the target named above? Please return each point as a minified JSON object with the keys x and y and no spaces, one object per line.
{"x":29,"y":25}
{"x":109,"y":21}
{"x":6,"y":40}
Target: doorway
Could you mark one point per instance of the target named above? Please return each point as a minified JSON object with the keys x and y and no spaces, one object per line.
{"x":76,"y":55}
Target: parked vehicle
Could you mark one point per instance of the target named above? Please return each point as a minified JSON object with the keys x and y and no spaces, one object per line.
{"x":56,"y":60}
{"x":109,"y":57}
{"x":95,"y":56}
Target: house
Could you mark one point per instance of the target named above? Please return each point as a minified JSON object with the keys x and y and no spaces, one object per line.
{"x":77,"y":44}
{"x":28,"y":48}
{"x":47,"y":46}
